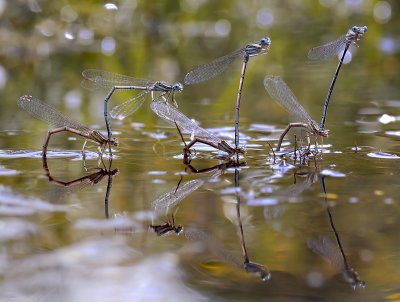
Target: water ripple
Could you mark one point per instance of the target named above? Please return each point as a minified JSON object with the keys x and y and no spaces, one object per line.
{"x":15,"y":204}
{"x":332,"y":173}
{"x":383,"y":155}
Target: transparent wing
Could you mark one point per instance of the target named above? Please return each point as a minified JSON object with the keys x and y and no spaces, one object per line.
{"x":280,"y":92}
{"x":197,"y":235}
{"x":128,"y":107}
{"x":185,"y":124}
{"x":49,"y":114}
{"x":212,"y":69}
{"x":95,"y":78}
{"x":172,"y":198}
{"x":325,"y":248}
{"x":328,"y":50}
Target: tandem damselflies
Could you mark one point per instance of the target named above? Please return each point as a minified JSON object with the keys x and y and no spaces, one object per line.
{"x":94,"y":78}
{"x":331,"y":49}
{"x":212,"y":69}
{"x":279,"y":91}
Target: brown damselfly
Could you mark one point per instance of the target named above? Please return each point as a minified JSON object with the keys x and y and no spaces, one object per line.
{"x":63,"y":123}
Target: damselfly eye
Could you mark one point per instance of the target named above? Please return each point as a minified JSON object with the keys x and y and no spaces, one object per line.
{"x":265,"y":41}
{"x":178,"y":87}
{"x":355,"y":29}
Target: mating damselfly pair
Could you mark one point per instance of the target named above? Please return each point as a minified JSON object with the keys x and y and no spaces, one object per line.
{"x":99,"y":79}
{"x":94,"y":78}
{"x":280,"y":92}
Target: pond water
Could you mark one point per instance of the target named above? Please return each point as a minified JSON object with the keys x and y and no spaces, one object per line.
{"x":150,"y":227}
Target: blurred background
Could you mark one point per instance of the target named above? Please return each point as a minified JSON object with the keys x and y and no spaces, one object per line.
{"x":45,"y":45}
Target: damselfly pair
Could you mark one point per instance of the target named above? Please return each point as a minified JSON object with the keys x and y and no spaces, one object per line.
{"x":279,"y":91}
{"x":63,"y":123}
{"x":102,"y":79}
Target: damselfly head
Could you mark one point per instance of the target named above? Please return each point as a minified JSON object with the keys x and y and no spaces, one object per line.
{"x":177,"y":87}
{"x":324,"y":132}
{"x":352,"y":276}
{"x":114,"y":142}
{"x":257,"y":269}
{"x":359,"y":29}
{"x":178,"y":229}
{"x":265,"y":41}
{"x":241,"y":150}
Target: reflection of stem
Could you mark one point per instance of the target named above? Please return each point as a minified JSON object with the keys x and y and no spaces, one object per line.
{"x":349,"y":273}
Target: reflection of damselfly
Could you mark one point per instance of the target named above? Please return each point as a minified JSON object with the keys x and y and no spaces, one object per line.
{"x":329,"y":50}
{"x":280,"y":92}
{"x":249,"y":266}
{"x":45,"y":112}
{"x":94,"y":78}
{"x":70,"y":187}
{"x":212,"y":69}
{"x":215,"y":246}
{"x":334,"y":253}
{"x":168,"y":227}
{"x":186,"y":125}
{"x":170,"y":199}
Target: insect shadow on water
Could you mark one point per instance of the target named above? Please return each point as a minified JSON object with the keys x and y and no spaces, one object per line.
{"x":185,"y":125}
{"x":281,"y":93}
{"x":63,"y":123}
{"x":210,"y":70}
{"x":329,"y":50}
{"x":76,"y":185}
{"x":325,"y":248}
{"x":94,"y":78}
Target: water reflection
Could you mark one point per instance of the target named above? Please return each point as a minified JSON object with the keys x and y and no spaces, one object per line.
{"x":334,"y":253}
{"x":295,"y":190}
{"x":167,"y":201}
{"x":207,"y":241}
{"x":168,"y":227}
{"x":250,"y":267}
{"x":66,"y":188}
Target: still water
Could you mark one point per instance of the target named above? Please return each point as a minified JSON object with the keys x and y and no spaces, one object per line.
{"x":150,"y":227}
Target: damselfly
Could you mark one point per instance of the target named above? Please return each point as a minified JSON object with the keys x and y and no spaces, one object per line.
{"x":212,"y":69}
{"x":168,"y":227}
{"x":280,"y":92}
{"x":94,"y":78}
{"x":329,"y":50}
{"x":186,"y":125}
{"x":49,"y":114}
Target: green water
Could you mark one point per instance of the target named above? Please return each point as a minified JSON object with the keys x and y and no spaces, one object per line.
{"x":61,"y":242}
